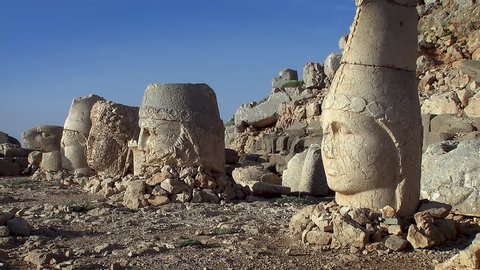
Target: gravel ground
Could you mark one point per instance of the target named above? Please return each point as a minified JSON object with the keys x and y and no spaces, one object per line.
{"x":72,"y":229}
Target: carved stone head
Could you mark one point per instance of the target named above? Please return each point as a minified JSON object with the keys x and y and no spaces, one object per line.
{"x":45,"y":139}
{"x":113,"y":125}
{"x":75,"y":134}
{"x":371,"y":116}
{"x":180,"y":125}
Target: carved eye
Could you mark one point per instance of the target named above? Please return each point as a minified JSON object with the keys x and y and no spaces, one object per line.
{"x":339,"y":128}
{"x":336,"y":127}
{"x":146,"y":133}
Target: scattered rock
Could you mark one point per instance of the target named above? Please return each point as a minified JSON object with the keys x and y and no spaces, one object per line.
{"x":18,"y":226}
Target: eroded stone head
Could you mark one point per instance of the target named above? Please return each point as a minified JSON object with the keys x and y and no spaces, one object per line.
{"x":45,"y":139}
{"x":113,"y":125}
{"x":180,"y":125}
{"x":75,"y":134}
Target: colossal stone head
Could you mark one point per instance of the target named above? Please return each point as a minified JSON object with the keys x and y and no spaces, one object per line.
{"x":180,"y":125}
{"x":113,"y":125}
{"x":75,"y":134}
{"x":45,"y":139}
{"x":371,"y":148}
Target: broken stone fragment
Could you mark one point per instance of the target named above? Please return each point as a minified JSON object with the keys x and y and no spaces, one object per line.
{"x":347,"y":232}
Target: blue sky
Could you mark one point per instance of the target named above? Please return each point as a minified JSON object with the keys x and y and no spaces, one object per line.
{"x":54,"y":50}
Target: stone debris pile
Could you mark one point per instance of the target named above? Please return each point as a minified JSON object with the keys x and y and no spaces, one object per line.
{"x":364,"y":230}
{"x":169,"y":184}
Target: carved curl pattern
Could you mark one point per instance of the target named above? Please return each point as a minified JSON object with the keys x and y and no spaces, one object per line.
{"x":355,"y":104}
{"x":148,"y":112}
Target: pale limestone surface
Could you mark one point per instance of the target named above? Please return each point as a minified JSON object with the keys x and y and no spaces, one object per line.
{"x":305,"y":174}
{"x":371,"y":117}
{"x":180,"y":125}
{"x":313,"y":75}
{"x":46,"y":139}
{"x":75,"y":134}
{"x":113,"y":125}
{"x":451,"y":174}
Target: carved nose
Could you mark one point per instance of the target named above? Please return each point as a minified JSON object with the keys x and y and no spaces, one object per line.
{"x":142,"y":140}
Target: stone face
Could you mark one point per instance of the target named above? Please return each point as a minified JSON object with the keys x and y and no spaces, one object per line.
{"x":305,"y":173}
{"x":371,"y":148}
{"x":45,"y":139}
{"x":284,"y":76}
{"x":180,"y":126}
{"x":331,"y":64}
{"x":263,"y":114}
{"x":451,"y":174}
{"x":313,"y":75}
{"x":113,"y":125}
{"x":75,"y":135}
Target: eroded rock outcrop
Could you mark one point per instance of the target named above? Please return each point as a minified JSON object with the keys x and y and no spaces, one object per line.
{"x":113,"y":125}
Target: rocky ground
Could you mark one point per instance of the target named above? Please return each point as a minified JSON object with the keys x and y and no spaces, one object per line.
{"x":72,"y":229}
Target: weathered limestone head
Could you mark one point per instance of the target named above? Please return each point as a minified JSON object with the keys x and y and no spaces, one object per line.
{"x":180,"y":125}
{"x":371,"y":117}
{"x":75,"y":134}
{"x":45,"y":139}
{"x":113,"y":125}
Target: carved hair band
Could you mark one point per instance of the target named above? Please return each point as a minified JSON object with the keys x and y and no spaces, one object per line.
{"x":149,"y":112}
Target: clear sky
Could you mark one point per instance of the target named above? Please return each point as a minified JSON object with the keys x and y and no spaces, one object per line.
{"x":54,"y":50}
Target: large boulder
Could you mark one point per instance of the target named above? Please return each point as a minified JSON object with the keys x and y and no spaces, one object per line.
{"x":451,"y":174}
{"x":305,"y":173}
{"x":473,"y":108}
{"x":263,"y":114}
{"x":331,"y":64}
{"x":446,"y":103}
{"x":113,"y":125}
{"x":259,"y":181}
{"x":313,"y":75}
